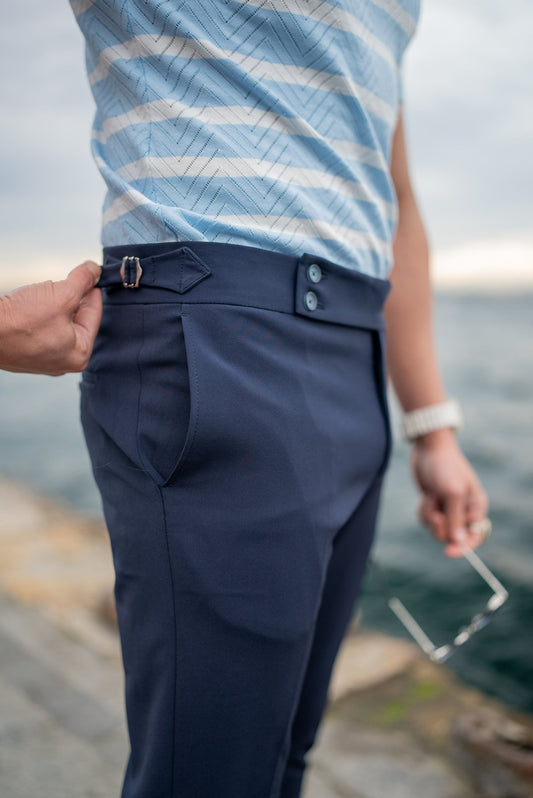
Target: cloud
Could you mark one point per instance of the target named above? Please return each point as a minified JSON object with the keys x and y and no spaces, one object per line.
{"x":470,"y":118}
{"x":51,"y":193}
{"x":492,"y":265}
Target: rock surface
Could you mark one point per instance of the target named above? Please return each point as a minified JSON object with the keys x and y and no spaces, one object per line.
{"x":387,"y":732}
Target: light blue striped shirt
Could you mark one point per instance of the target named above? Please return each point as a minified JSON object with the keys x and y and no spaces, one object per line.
{"x":266,"y":123}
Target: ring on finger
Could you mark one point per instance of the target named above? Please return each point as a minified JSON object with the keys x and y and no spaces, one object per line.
{"x":483,"y":527}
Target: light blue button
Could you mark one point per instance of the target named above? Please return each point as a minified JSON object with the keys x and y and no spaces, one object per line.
{"x":314,"y":273}
{"x":311,"y":300}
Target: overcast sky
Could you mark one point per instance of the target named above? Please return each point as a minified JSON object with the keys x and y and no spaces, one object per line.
{"x":469,"y":115}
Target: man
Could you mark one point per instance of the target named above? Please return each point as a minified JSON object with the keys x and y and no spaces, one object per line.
{"x":49,"y":328}
{"x":234,"y":405}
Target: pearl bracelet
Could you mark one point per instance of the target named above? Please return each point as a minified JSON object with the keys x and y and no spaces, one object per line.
{"x":432,"y":417}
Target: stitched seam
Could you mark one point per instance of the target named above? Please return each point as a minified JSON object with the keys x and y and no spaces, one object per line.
{"x":174,"y":698}
{"x":190,"y":302}
{"x":256,"y":307}
{"x":139,"y":371}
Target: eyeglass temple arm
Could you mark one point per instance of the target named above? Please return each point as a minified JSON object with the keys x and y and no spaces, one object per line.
{"x":401,"y":611}
{"x":484,"y":572}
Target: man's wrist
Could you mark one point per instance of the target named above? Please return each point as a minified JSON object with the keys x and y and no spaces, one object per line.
{"x":435,"y":439}
{"x":5,"y":327}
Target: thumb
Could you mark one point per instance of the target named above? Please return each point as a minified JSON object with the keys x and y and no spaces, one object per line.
{"x":83,"y":278}
{"x":88,"y":316}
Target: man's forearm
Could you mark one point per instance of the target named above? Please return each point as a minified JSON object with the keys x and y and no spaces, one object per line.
{"x":412,"y":360}
{"x":452,"y":496}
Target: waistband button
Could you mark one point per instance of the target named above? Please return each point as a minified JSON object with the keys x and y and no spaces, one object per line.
{"x":310,"y":300}
{"x":314,"y":273}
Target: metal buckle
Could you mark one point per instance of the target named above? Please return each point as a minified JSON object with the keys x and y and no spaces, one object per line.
{"x":129,"y":262}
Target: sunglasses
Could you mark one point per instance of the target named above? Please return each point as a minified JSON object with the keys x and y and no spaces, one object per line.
{"x":440,"y":654}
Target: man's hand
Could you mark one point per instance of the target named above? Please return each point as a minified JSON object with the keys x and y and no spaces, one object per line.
{"x":452,"y":494}
{"x":49,"y":328}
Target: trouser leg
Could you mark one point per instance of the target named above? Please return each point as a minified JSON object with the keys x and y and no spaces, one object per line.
{"x":222,"y":523}
{"x":216,"y":609}
{"x":342,"y":584}
{"x":220,"y":701}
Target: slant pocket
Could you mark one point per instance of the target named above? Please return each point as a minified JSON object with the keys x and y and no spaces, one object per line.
{"x":167,"y":418}
{"x":380,"y":350}
{"x":141,"y":391}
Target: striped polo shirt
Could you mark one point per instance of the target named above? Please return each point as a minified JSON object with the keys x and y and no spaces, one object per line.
{"x":266,"y":123}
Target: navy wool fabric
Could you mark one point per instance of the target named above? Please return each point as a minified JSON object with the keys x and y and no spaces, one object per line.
{"x":239,"y":433}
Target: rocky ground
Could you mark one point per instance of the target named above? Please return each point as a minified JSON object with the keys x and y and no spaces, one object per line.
{"x":396,"y":725}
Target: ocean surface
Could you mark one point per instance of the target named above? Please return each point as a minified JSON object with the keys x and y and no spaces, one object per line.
{"x":485,"y":345}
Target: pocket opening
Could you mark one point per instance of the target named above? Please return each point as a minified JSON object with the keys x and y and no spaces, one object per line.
{"x":168,"y":402}
{"x":380,"y":343}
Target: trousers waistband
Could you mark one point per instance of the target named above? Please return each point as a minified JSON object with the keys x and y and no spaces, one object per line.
{"x":208,"y":272}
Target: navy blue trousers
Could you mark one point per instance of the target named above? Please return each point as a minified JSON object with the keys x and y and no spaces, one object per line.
{"x":236,"y":416}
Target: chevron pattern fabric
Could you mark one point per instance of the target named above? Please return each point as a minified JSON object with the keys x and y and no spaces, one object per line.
{"x":266,"y":123}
